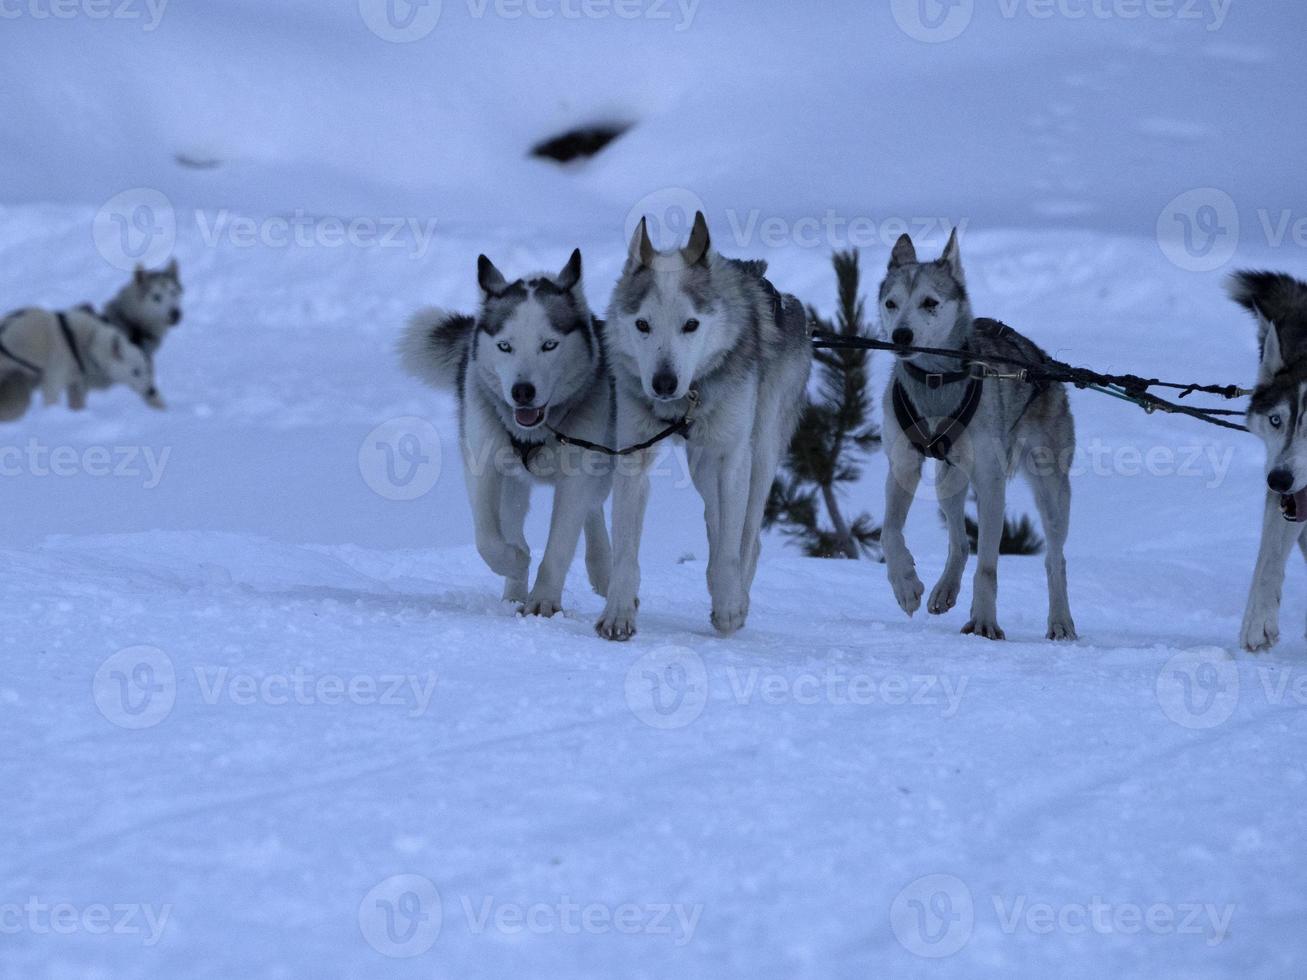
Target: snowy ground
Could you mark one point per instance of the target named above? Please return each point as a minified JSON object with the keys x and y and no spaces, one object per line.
{"x":264,"y":715}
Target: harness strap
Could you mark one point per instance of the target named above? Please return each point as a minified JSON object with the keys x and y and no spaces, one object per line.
{"x":21,"y":361}
{"x":677,"y":428}
{"x":936,"y":443}
{"x":525,"y":450}
{"x":71,"y":341}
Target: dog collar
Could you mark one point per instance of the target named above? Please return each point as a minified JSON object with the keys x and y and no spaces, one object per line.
{"x":935,"y":380}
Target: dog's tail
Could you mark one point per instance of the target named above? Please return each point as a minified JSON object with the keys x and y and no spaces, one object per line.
{"x":435,"y":346}
{"x":1273,"y":296}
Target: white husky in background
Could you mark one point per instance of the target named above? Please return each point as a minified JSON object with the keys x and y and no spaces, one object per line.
{"x":529,"y":365}
{"x":691,"y":333}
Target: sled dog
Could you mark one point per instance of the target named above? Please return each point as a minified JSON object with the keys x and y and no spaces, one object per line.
{"x":80,"y":350}
{"x":529,"y":365}
{"x":1278,"y":414}
{"x":693,"y":334}
{"x":980,"y":432}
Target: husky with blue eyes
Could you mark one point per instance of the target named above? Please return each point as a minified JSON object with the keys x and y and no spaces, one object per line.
{"x":529,"y":366}
{"x":1278,"y":414}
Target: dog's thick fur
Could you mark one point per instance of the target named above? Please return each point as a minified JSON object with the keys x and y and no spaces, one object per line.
{"x":1278,"y":414}
{"x":692,"y":323}
{"x":1017,"y":426}
{"x":531,"y":362}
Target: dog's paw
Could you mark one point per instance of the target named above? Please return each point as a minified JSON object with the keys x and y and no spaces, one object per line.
{"x":729,"y":617}
{"x":1064,"y":631}
{"x":1261,"y":629}
{"x":546,"y":606}
{"x":618,"y":621}
{"x":986,"y":627}
{"x":944,"y":596}
{"x":907,"y":590}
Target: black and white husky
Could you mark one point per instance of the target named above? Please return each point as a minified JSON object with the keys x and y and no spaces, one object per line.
{"x":690,"y":332}
{"x":980,"y":432}
{"x":1278,"y":414}
{"x":530,"y":364}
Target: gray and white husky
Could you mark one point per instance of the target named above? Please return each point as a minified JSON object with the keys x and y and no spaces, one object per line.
{"x":692,"y":332}
{"x":1278,"y":414}
{"x":531,"y":364}
{"x":979,"y":431}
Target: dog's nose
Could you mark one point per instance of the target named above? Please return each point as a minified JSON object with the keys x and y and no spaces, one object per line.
{"x":1280,"y":481}
{"x":175,"y":317}
{"x":902,"y":336}
{"x":524,"y":394}
{"x":665,"y":384}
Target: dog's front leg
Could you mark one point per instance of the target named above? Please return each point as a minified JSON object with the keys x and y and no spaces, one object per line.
{"x":77,"y":396}
{"x":1261,"y":620}
{"x":630,"y":498}
{"x":723,"y":481}
{"x":485,"y":488}
{"x":954,"y":507}
{"x":991,"y":508}
{"x":900,"y":489}
{"x":572,"y":497}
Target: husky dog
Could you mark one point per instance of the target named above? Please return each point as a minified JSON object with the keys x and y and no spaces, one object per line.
{"x":529,"y":366}
{"x":147,"y":307}
{"x":68,"y":352}
{"x":693,"y":334}
{"x":1278,"y":414}
{"x":979,"y":431}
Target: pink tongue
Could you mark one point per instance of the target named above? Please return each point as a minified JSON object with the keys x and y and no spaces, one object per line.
{"x":1295,"y":506}
{"x":528,"y":418}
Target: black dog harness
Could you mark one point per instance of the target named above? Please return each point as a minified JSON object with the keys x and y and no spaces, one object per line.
{"x":936,"y":443}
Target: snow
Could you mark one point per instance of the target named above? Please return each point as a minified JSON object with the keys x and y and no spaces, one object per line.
{"x":344,"y":722}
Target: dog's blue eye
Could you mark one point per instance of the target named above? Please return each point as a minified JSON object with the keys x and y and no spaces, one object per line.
{"x":506,"y":348}
{"x":690,"y":326}
{"x":1276,"y":421}
{"x":642,"y":326}
{"x":549,"y":345}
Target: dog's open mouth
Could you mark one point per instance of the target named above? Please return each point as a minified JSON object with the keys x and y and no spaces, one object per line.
{"x":529,"y":418}
{"x":1294,"y":506}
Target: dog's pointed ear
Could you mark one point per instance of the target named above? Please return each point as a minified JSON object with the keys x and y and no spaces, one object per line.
{"x":905,"y":253}
{"x":1272,"y":355}
{"x":571,"y":274}
{"x":173,"y":272}
{"x":642,"y":252}
{"x":953,"y":256}
{"x":696,"y":252}
{"x":490,"y":279}
{"x":140,"y":276}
